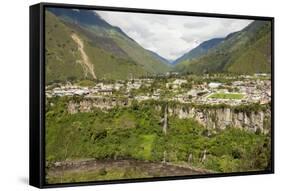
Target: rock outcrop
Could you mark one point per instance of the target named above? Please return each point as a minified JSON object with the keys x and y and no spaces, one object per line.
{"x":211,"y":118}
{"x":86,"y":105}
{"x":221,"y":118}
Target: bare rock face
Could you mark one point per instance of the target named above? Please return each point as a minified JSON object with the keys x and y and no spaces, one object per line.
{"x":212,"y":118}
{"x":72,"y":108}
{"x":87,"y":105}
{"x":222,"y":118}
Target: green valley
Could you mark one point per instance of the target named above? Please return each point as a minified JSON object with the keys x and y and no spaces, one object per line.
{"x":115,"y":109}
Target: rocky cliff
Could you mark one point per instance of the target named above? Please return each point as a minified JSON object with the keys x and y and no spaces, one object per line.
{"x":221,"y":118}
{"x":88,"y":104}
{"x":257,"y":120}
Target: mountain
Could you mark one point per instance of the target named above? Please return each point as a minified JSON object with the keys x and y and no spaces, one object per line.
{"x":244,"y":52}
{"x":82,"y":17}
{"x":200,"y":50}
{"x":81,"y":45}
{"x":160,"y":58}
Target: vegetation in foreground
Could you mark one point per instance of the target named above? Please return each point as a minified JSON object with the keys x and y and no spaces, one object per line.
{"x":136,"y":133}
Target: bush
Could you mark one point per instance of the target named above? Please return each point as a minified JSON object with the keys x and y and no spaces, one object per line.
{"x":102,"y":172}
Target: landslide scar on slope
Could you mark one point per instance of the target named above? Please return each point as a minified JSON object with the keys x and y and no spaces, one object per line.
{"x":85,"y":59}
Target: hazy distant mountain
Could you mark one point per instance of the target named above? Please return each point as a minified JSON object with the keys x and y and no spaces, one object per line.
{"x":107,"y":51}
{"x":162,"y":59}
{"x":245,"y":51}
{"x":200,"y":50}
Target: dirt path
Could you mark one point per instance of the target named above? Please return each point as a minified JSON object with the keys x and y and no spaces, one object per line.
{"x":85,"y":59}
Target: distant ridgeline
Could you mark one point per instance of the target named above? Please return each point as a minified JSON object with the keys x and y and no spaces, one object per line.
{"x":244,"y":52}
{"x":106,"y":52}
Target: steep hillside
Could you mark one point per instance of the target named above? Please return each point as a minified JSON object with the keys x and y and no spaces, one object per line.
{"x":113,"y":54}
{"x":65,"y":61}
{"x":82,"y":17}
{"x":143,"y":57}
{"x":254,"y":58}
{"x":200,"y":50}
{"x":109,"y":59}
{"x":62,"y":55}
{"x":246,"y":51}
{"x":162,"y":59}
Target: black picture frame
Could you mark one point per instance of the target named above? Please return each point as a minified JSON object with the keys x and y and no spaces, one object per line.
{"x":37,"y":94}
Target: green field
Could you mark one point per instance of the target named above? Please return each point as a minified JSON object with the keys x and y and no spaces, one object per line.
{"x":226,"y":96}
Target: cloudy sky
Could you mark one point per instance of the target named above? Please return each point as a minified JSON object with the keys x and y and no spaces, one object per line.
{"x":168,"y":35}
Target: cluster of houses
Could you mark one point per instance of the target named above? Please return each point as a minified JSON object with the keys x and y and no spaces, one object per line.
{"x":256,"y":91}
{"x":176,"y":83}
{"x":250,"y":91}
{"x":253,"y":90}
{"x":72,"y":90}
{"x":100,"y":89}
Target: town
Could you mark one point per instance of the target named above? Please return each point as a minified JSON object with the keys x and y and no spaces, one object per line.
{"x":206,"y":89}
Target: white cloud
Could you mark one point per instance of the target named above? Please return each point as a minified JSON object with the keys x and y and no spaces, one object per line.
{"x":170,"y":35}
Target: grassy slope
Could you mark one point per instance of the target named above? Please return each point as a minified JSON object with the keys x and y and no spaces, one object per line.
{"x":255,"y":59}
{"x":114,"y":56}
{"x":200,"y":50}
{"x":227,"y":96}
{"x":61,"y":52}
{"x":249,"y":48}
{"x":140,"y":55}
{"x":126,"y":59}
{"x":62,"y":56}
{"x":109,"y":66}
{"x":205,"y":64}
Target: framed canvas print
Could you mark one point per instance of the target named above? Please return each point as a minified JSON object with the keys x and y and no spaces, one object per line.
{"x":126,"y":95}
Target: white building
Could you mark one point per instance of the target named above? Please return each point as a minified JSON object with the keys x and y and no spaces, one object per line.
{"x":214,"y":85}
{"x":176,"y":83}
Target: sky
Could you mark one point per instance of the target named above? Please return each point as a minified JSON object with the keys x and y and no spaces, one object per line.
{"x":170,"y":35}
